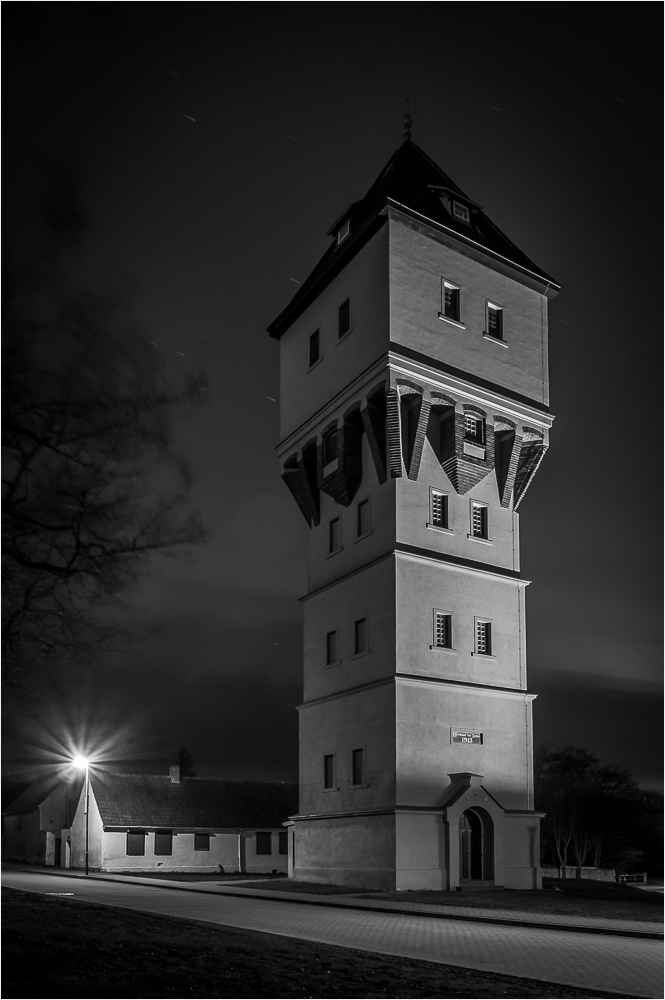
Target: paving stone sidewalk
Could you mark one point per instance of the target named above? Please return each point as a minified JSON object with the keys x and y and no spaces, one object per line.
{"x":517,"y":918}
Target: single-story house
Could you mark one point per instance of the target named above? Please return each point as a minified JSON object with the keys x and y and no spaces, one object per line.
{"x":150,"y":821}
{"x":33,"y":821}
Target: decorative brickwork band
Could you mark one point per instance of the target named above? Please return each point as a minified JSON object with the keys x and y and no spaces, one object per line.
{"x":419,"y":441}
{"x":393,"y":427}
{"x":507,"y":449}
{"x":374,"y":422}
{"x":533,"y":449}
{"x":300,"y":476}
{"x":339,"y":475}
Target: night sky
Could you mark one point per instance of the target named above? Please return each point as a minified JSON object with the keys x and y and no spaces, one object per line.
{"x":216,"y":144}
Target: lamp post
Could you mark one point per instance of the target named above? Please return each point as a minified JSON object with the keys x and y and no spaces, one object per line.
{"x":83,"y":762}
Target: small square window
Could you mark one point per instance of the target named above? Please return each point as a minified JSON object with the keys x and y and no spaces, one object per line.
{"x":451,"y":301}
{"x":358,"y":767}
{"x":283,"y":842}
{"x":314,"y":347}
{"x":443,"y":629}
{"x":135,"y":843}
{"x":363,"y":518}
{"x":344,"y":317}
{"x":329,"y":770}
{"x":360,"y":636}
{"x":483,"y":637}
{"x":438,"y":508}
{"x":332,"y":647}
{"x":335,"y":535}
{"x":201,"y":841}
{"x":163,"y":842}
{"x":264,"y":843}
{"x":461,"y":212}
{"x":343,"y":231}
{"x":479,"y":520}
{"x":330,"y":447}
{"x":494,"y":321}
{"x":474,"y":428}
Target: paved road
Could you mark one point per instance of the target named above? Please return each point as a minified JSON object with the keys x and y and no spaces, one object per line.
{"x":609,"y":964}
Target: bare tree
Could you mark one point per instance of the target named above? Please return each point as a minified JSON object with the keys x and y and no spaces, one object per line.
{"x":91,"y":489}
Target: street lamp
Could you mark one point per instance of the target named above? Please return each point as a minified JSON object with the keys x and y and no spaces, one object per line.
{"x":81,"y":763}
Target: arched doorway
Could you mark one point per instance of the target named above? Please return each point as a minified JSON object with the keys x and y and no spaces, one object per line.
{"x":476,"y":846}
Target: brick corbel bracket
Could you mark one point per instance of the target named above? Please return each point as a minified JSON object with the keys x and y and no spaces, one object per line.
{"x":531,"y":455}
{"x":300,"y":475}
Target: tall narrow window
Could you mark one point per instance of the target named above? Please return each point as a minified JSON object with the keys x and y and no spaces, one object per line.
{"x":358,"y":767}
{"x":332,"y":647}
{"x":329,"y":770}
{"x":451,"y":301}
{"x":330,"y":447}
{"x":201,"y":841}
{"x":314,"y":347}
{"x":163,"y":842}
{"x":344,"y":317}
{"x":343,"y":231}
{"x":363,"y":518}
{"x":479,"y":520}
{"x":443,"y":629}
{"x":283,"y":842}
{"x":334,"y":535}
{"x":438,"y":512}
{"x":360,"y":633}
{"x":494,"y":321}
{"x":483,"y":637}
{"x":474,"y":428}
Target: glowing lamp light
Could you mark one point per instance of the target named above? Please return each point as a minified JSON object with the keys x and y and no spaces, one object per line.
{"x":80,"y":762}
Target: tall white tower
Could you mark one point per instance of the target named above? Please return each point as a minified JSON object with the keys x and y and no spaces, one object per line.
{"x":414,"y":413}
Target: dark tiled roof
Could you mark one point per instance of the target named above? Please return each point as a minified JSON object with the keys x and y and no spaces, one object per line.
{"x":153,"y":800}
{"x":411,"y":181}
{"x":32,"y":796}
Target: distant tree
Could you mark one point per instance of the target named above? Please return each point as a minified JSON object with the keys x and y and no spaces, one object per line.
{"x":592,"y":809}
{"x":185,"y":762}
{"x":91,"y":489}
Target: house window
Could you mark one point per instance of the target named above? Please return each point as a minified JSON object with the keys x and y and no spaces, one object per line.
{"x":329,"y":770}
{"x":334,"y":535}
{"x":494,"y":321}
{"x":451,"y":296}
{"x":438,"y":508}
{"x":474,"y":428}
{"x":135,"y":843}
{"x":332,"y":647}
{"x":330,"y":447}
{"x":360,"y":633}
{"x":343,"y":231}
{"x":264,"y":843}
{"x":163,"y":842}
{"x":314,"y":347}
{"x":460,"y":211}
{"x":483,"y":637}
{"x":201,"y":841}
{"x":479,"y":520}
{"x":363,"y":518}
{"x":443,"y":629}
{"x":283,"y":842}
{"x":344,"y":317}
{"x":358,"y":767}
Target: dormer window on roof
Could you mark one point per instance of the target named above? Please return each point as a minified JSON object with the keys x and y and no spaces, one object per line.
{"x":343,"y":231}
{"x":461,"y":212}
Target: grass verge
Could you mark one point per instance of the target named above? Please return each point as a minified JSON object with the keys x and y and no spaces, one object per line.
{"x":57,"y":947}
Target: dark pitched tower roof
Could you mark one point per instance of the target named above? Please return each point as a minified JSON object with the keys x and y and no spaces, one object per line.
{"x":412,"y":183}
{"x":153,"y":800}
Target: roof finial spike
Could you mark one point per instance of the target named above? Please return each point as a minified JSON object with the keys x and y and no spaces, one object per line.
{"x":407,"y":122}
